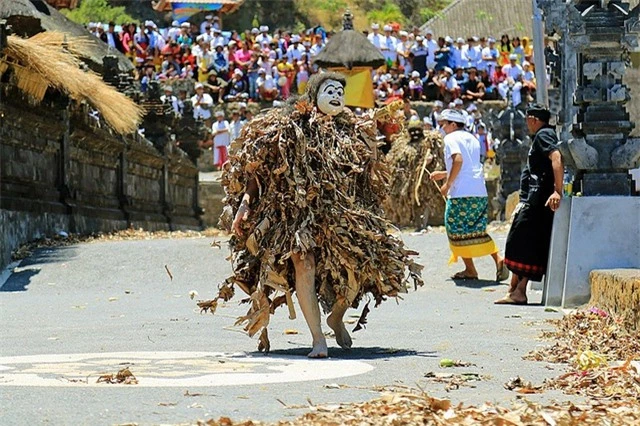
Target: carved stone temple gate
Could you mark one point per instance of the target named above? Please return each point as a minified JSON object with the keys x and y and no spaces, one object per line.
{"x":601,"y":228}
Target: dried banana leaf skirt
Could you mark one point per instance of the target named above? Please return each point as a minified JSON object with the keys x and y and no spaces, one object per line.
{"x":321,"y":188}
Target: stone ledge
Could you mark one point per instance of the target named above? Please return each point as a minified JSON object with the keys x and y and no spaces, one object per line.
{"x":617,"y":291}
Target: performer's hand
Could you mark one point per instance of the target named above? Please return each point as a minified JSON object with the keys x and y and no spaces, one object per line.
{"x":439,"y":175}
{"x":554,"y":201}
{"x":444,"y":189}
{"x":241,"y":216}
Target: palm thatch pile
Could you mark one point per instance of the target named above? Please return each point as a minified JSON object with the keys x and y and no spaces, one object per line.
{"x":321,"y":189}
{"x":412,"y":195}
{"x":40,"y":62}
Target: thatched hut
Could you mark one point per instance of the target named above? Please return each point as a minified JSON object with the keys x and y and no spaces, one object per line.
{"x":350,"y":53}
{"x":30,"y":17}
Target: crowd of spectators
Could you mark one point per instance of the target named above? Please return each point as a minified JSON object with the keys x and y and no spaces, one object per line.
{"x":260,"y":65}
{"x":263,"y":65}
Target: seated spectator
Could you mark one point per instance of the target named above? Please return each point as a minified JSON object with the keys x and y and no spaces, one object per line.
{"x":184,"y":39}
{"x":396,"y":90}
{"x":447,"y":85}
{"x":415,"y":86}
{"x":220,"y":61}
{"x":382,"y":92}
{"x":202,"y":103}
{"x":430,"y":90}
{"x":285,"y":72}
{"x":461,"y":77}
{"x":267,"y":89}
{"x":148,"y":76}
{"x":473,"y":89}
{"x":169,"y":99}
{"x":237,"y":87}
{"x":216,"y":86}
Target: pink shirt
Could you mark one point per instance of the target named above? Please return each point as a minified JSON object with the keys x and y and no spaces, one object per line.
{"x":243,"y":56}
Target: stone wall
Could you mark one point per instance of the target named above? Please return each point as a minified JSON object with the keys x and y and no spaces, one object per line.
{"x":62,"y":170}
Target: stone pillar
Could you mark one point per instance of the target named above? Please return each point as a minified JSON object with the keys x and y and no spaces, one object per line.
{"x":596,"y":37}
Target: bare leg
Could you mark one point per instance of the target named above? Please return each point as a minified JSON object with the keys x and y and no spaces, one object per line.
{"x":501,"y":272}
{"x":306,"y":292}
{"x":337,"y":324}
{"x":469,"y":267}
{"x":520,"y":292}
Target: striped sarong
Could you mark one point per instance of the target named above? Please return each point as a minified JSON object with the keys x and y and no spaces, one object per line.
{"x":466,"y":224}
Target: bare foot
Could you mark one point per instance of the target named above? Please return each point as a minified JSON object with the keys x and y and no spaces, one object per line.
{"x":319,"y":350}
{"x":334,"y":321}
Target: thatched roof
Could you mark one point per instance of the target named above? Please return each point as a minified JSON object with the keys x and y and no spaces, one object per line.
{"x":349,"y":48}
{"x":30,"y":17}
{"x":488,"y":18}
{"x":40,"y":63}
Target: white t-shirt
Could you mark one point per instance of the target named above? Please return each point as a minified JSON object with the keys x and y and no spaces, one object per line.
{"x":470,"y":179}
{"x":224,"y":138}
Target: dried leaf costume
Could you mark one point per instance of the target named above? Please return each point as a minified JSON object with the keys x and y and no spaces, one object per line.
{"x":411,"y":192}
{"x":321,"y":189}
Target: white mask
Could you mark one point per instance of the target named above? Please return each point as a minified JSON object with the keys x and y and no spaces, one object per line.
{"x":330,"y":98}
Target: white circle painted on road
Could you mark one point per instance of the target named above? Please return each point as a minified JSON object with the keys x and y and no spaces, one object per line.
{"x":167,"y":369}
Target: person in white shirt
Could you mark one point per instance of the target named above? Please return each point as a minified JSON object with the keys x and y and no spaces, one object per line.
{"x":403,"y":48}
{"x":218,"y":39}
{"x":490,"y":56}
{"x":377,"y":39}
{"x":474,"y":54}
{"x":221,"y":131}
{"x":390,"y":45}
{"x":267,"y":88}
{"x":459,"y":53}
{"x":264,"y":35}
{"x":296,"y":50}
{"x":318,"y":45}
{"x":467,"y":201}
{"x":169,"y":98}
{"x":431,"y":46}
{"x":208,"y":22}
{"x":202,"y":103}
{"x":174,"y":31}
{"x":513,"y":80}
{"x":235,"y":125}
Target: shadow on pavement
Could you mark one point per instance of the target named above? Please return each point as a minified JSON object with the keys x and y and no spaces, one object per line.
{"x":476,"y":283}
{"x":361,"y":353}
{"x":19,"y":281}
{"x":49,"y":255}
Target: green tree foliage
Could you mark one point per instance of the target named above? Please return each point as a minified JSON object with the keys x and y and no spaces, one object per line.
{"x":389,"y":12}
{"x":414,"y":12}
{"x":97,"y":11}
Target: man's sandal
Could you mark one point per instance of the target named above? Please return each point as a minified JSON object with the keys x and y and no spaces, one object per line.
{"x":463,"y":276}
{"x":502,"y":272}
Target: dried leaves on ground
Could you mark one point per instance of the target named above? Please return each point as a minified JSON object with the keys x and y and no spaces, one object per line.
{"x":599,"y":351}
{"x":413,"y":408}
{"x":589,"y":330}
{"x":123,"y":377}
{"x":321,"y":182}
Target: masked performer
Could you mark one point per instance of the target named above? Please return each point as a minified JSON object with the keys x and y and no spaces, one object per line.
{"x":305,"y":191}
{"x":413,"y":199}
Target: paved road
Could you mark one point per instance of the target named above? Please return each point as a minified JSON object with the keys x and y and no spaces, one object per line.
{"x":71,"y":314}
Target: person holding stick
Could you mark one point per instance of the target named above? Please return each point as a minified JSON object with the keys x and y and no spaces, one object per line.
{"x":467,"y":202}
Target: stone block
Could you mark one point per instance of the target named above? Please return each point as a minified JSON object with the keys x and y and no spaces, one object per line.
{"x":210,"y":195}
{"x":617,"y":291}
{"x":604,"y":233}
{"x":554,"y":279}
